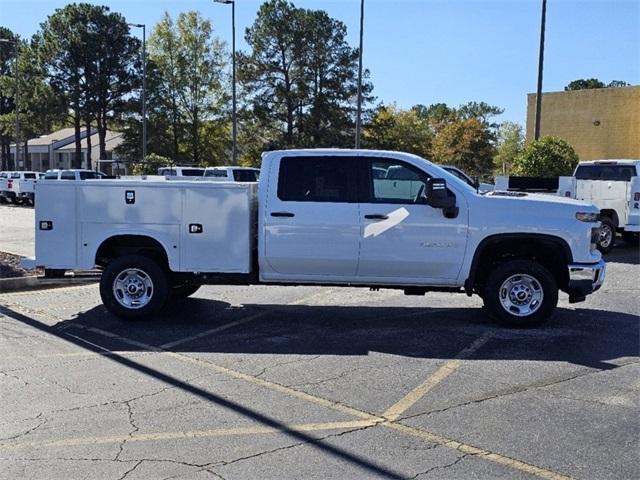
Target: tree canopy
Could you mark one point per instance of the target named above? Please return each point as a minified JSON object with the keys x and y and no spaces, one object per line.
{"x":547,"y":157}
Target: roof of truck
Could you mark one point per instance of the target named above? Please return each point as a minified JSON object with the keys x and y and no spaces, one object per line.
{"x":613,"y":161}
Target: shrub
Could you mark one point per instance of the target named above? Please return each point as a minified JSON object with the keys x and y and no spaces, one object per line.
{"x":547,"y":157}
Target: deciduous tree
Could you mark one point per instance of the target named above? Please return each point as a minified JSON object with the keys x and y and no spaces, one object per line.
{"x":547,"y":157}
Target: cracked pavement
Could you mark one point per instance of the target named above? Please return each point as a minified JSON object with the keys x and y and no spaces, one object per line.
{"x":299,"y":392}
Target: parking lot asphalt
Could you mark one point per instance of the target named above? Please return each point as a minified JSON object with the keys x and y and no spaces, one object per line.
{"x":17,"y":232}
{"x":301,"y":382}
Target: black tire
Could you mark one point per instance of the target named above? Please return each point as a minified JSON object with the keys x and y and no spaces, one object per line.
{"x":181,"y":292}
{"x":607,"y":236}
{"x":143,"y":270}
{"x":632,"y":238}
{"x":534,"y":278}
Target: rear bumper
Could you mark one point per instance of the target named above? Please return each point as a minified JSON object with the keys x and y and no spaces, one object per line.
{"x":585,"y":279}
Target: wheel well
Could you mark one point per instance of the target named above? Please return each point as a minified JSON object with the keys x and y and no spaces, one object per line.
{"x":612,"y":214}
{"x":551,"y":252}
{"x":120,"y":245}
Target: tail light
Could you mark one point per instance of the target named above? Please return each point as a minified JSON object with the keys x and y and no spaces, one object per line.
{"x":567,"y":194}
{"x":9,"y":184}
{"x":636,"y":197}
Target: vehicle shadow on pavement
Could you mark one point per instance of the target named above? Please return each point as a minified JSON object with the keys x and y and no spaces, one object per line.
{"x":586,"y":337}
{"x":624,"y":253}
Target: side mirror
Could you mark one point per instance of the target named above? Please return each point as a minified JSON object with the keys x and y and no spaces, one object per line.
{"x":437,"y":194}
{"x":439,"y":197}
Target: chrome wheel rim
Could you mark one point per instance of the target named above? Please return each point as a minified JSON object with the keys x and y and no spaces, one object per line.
{"x":605,"y":236}
{"x":521,"y":295}
{"x":133,"y":288}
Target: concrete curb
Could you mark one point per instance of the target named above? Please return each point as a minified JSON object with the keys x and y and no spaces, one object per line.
{"x":21,"y":284}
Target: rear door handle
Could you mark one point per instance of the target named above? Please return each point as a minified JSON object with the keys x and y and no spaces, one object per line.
{"x":282,"y":214}
{"x":376,"y":216}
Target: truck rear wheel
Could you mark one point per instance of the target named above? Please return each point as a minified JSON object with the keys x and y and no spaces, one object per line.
{"x":607,"y":236}
{"x":133,"y":287}
{"x":521,"y":293}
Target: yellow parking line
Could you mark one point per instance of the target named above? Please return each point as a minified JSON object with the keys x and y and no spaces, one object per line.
{"x":367,"y":419}
{"x":478,"y":452}
{"x":163,"y":436}
{"x":401,"y":406}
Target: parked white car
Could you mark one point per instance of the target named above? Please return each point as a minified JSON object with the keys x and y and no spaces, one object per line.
{"x":232,"y":174}
{"x":322,"y":217}
{"x":178,"y":171}
{"x":73,"y":174}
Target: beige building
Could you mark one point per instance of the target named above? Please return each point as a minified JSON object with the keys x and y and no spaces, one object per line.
{"x":599,"y":123}
{"x":57,"y":149}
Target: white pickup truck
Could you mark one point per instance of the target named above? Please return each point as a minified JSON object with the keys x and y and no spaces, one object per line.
{"x":322,"y":217}
{"x":17,"y":187}
{"x":614,"y":187}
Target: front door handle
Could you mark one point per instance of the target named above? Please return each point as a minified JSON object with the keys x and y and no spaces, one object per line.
{"x":282,"y":214}
{"x":376,"y":216}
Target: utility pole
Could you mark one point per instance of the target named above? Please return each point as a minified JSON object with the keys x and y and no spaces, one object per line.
{"x":536,"y":135}
{"x":15,"y":42}
{"x":234,"y":154}
{"x":359,"y":110}
{"x":144,"y":86}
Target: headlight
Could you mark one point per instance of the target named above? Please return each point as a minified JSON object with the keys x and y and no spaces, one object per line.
{"x":588,"y":217}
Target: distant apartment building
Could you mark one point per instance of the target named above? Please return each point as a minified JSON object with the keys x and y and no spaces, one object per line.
{"x":599,"y":123}
{"x":57,"y":149}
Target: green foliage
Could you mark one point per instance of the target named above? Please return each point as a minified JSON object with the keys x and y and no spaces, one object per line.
{"x":150,"y":165}
{"x":587,"y":83}
{"x":300,"y":77}
{"x":510,"y":144}
{"x":92,"y":62}
{"x":466,"y":144}
{"x":187,"y":97}
{"x":394,"y":129}
{"x":546,"y":157}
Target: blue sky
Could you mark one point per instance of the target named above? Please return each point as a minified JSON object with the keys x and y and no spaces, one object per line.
{"x":428,"y":51}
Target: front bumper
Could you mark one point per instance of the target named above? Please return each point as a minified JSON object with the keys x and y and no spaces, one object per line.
{"x":585,"y":279}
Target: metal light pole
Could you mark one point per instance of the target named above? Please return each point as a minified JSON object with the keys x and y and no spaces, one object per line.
{"x":233,"y":82}
{"x":359,"y":113}
{"x":536,"y":135}
{"x":144,"y":86}
{"x":16,"y":99}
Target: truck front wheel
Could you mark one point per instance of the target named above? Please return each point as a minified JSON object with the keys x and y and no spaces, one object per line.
{"x":607,"y":236}
{"x":133,"y":287}
{"x":521,"y":293}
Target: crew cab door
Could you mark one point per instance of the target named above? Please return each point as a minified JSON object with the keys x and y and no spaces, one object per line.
{"x":310,"y":219}
{"x":404,"y":240}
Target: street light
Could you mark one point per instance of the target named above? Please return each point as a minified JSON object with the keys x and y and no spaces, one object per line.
{"x":17,"y":99}
{"x":359,"y":114}
{"x":233,"y":82}
{"x":536,"y":134}
{"x":144,"y":86}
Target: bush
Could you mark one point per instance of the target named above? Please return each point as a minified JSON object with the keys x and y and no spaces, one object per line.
{"x":150,"y":165}
{"x":547,"y":157}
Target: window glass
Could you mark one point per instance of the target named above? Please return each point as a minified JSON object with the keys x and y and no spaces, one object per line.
{"x":67,"y":176}
{"x":29,"y":176}
{"x":403,"y":183}
{"x":215,"y":173}
{"x":87,"y":175}
{"x":15,"y":175}
{"x":167,"y":172}
{"x":318,"y":179}
{"x":51,"y":176}
{"x":192,"y":172}
{"x":245,"y":175}
{"x":606,"y":172}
